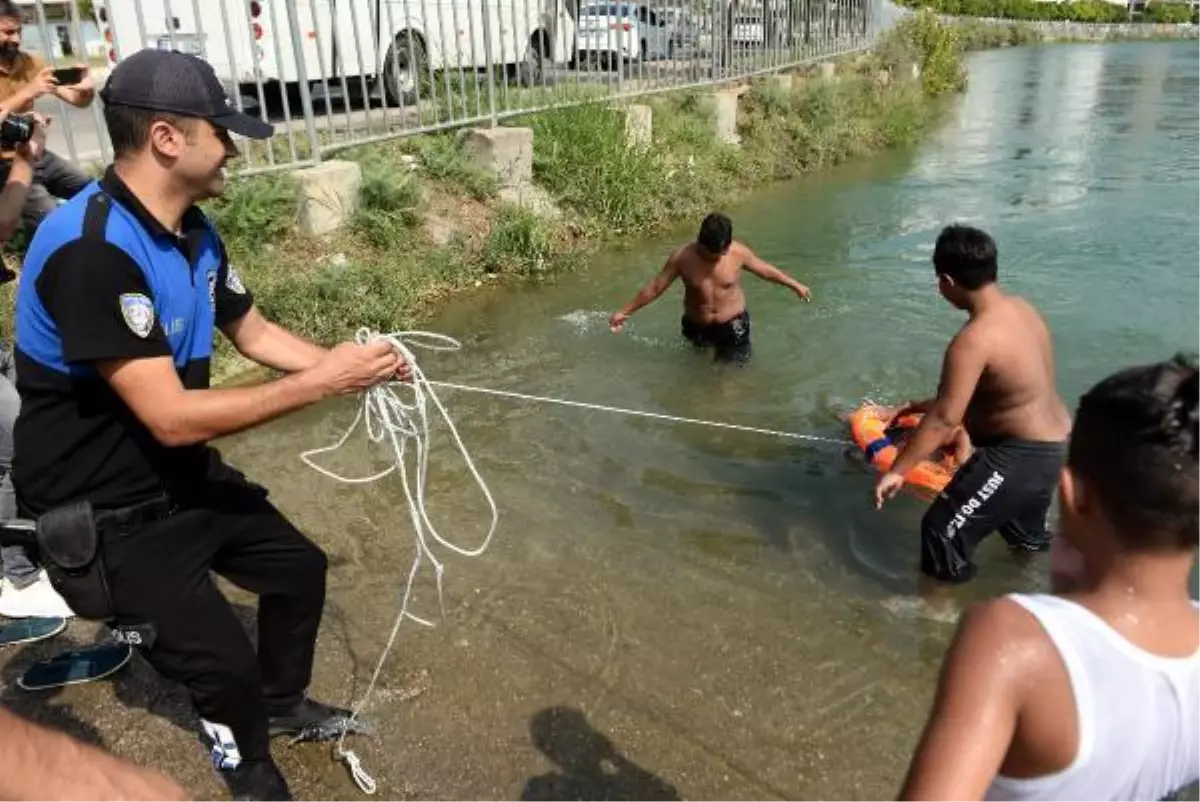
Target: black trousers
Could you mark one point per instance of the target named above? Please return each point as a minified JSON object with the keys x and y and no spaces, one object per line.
{"x":730,"y":340}
{"x":1005,"y":486}
{"x":162,"y":589}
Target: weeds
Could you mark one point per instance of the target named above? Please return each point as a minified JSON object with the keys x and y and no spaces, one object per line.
{"x":256,"y":210}
{"x":520,"y":242}
{"x":443,"y":159}
{"x":389,"y":202}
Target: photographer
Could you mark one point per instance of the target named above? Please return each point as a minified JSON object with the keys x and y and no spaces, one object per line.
{"x":24,"y":78}
{"x":24,"y":590}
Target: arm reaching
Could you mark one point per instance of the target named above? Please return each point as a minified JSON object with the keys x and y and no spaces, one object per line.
{"x":179,"y":417}
{"x":271,"y":345}
{"x":654,"y":288}
{"x":38,"y":763}
{"x":769,"y":272}
{"x":961,"y":369}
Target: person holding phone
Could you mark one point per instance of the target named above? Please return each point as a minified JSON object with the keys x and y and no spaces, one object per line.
{"x":24,"y":78}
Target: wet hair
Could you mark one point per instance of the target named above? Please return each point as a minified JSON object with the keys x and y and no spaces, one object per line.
{"x":10,"y":10}
{"x":716,"y":233}
{"x":1134,"y":443}
{"x":129,"y":127}
{"x":966,"y":255}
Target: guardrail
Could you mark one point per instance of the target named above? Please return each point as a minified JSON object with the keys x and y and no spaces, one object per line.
{"x":332,"y":74}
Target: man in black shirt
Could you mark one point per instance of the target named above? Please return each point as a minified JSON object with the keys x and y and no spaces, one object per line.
{"x":122,"y":288}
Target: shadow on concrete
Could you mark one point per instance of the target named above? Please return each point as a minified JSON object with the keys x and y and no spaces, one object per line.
{"x":591,"y":767}
{"x":35,"y":706}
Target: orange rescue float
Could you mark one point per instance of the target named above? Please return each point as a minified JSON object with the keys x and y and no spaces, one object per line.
{"x":871,"y":435}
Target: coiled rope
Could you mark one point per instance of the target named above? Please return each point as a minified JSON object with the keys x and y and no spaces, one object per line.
{"x":390,"y":419}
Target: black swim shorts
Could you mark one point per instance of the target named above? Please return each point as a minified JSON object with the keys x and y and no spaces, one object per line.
{"x":1006,"y":485}
{"x":731,"y":339}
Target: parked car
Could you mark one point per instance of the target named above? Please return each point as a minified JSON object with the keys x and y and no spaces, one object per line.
{"x":623,"y":32}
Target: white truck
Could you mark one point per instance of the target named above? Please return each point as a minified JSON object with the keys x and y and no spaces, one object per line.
{"x":397,"y":45}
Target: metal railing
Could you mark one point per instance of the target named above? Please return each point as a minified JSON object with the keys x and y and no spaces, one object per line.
{"x":332,"y":74}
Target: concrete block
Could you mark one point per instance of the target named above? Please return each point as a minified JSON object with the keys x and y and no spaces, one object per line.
{"x":639,"y":126}
{"x":783,"y":81}
{"x":505,"y":152}
{"x":726,"y":104}
{"x":828,"y":70}
{"x":329,"y":194}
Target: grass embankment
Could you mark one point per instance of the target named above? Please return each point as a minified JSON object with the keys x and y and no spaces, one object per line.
{"x":431,"y":224}
{"x":1088,"y":11}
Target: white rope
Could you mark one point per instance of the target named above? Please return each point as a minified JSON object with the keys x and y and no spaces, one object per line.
{"x":389,"y":418}
{"x":640,"y":413}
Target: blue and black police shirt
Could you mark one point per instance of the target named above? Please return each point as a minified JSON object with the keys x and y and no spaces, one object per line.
{"x":104,"y":280}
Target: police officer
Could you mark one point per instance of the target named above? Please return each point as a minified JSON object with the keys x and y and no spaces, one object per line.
{"x":122,"y":288}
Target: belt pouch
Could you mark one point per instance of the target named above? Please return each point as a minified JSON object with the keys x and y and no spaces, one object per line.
{"x":71,"y":549}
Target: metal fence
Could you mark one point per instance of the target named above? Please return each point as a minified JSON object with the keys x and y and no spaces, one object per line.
{"x":330,"y":74}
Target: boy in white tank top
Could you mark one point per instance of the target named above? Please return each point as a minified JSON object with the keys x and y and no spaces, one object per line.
{"x":1094,"y":692}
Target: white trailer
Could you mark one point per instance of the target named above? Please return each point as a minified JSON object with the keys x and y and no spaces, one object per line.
{"x":397,"y":45}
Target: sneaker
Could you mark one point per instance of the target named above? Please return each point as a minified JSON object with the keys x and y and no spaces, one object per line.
{"x":256,"y":779}
{"x":39,"y":600}
{"x":311,"y":721}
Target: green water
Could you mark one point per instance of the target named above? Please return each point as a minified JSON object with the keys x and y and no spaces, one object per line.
{"x":722,"y":605}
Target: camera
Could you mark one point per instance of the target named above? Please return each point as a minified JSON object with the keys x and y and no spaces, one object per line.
{"x":16,"y":129}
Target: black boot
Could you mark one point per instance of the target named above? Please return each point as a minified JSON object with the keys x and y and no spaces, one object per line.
{"x":256,"y":779}
{"x":312,"y":721}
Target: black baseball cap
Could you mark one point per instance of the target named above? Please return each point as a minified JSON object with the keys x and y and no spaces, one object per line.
{"x":178,"y":83}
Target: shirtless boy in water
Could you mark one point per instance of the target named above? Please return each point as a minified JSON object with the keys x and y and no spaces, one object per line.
{"x":1092,"y":692}
{"x":998,"y":383}
{"x":714,"y":306}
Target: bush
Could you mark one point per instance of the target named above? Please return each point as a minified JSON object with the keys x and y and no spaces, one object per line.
{"x":1177,"y":13}
{"x":255,"y":211}
{"x":519,"y":242}
{"x":389,"y":201}
{"x":1077,"y":11}
{"x":443,"y":160}
{"x":940,"y":50}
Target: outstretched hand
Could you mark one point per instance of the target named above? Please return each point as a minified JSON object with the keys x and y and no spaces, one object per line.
{"x":887,"y":487}
{"x":617,"y":322}
{"x":803,"y":292}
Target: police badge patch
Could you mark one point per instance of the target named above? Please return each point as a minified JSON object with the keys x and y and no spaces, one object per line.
{"x":138,"y":312}
{"x":233,"y":282}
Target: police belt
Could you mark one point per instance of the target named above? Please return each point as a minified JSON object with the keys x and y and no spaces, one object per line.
{"x":135,"y":515}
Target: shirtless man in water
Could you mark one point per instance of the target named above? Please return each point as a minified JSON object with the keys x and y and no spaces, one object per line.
{"x":998,"y":383}
{"x":714,"y":306}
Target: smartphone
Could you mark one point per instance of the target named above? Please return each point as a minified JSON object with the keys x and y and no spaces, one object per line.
{"x":68,"y":76}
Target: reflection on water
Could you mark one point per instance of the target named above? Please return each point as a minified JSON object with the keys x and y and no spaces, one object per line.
{"x":731,"y":600}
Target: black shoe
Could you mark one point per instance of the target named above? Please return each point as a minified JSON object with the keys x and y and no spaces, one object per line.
{"x":312,"y":721}
{"x":256,"y":779}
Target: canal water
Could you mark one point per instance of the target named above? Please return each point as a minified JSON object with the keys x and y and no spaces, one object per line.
{"x":678,"y":610}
